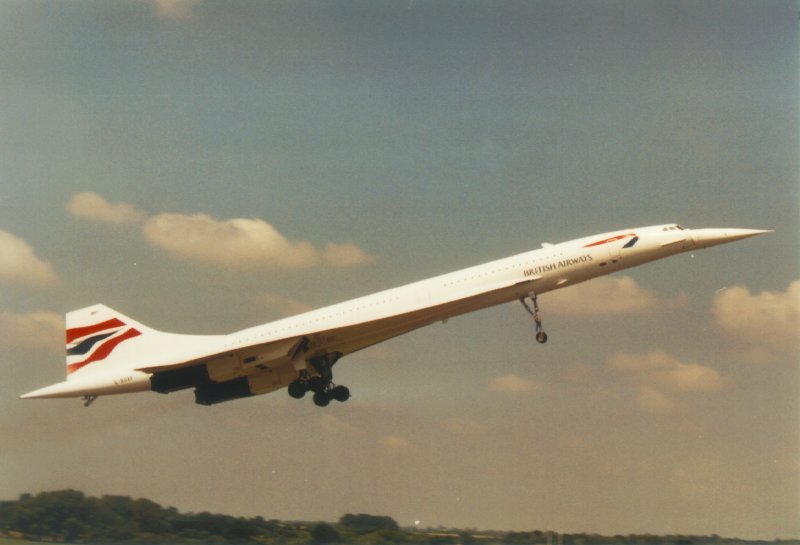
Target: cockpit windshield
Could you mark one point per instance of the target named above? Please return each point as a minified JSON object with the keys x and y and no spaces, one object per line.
{"x":675,"y":227}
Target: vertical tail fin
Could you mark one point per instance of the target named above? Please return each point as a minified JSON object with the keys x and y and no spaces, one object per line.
{"x":93,"y":333}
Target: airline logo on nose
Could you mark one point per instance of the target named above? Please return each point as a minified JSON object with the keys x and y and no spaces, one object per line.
{"x":629,"y":244}
{"x":96,"y":342}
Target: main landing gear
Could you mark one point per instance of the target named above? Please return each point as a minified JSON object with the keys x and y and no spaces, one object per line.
{"x":541,"y":336}
{"x":322,"y":385}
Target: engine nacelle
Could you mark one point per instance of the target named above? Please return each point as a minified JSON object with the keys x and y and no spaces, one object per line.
{"x":178,"y":379}
{"x":224,"y":368}
{"x":217,"y":392}
{"x":261,"y":382}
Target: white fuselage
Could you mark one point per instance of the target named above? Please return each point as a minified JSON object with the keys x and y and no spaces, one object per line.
{"x":272,"y":355}
{"x":538,"y":271}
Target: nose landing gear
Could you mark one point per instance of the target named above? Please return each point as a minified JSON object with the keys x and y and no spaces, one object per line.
{"x":541,"y":336}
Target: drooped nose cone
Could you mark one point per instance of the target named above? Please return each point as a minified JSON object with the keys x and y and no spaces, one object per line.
{"x":703,"y":238}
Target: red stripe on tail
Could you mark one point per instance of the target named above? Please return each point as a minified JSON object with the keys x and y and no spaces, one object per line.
{"x":78,"y":332}
{"x":104,"y":350}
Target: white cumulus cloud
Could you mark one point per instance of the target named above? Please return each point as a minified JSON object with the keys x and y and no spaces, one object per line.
{"x":397,"y":445}
{"x":37,"y":329}
{"x":652,"y":401}
{"x":241,"y":243}
{"x":175,"y":9}
{"x":21,"y":267}
{"x":333,"y":424}
{"x":286,"y":306}
{"x":607,"y":295}
{"x":237,"y":243}
{"x":663,"y":381}
{"x":345,"y":255}
{"x":659,"y":369}
{"x":92,"y":206}
{"x":763,"y":324}
{"x":513,"y":384}
{"x":463,"y":426}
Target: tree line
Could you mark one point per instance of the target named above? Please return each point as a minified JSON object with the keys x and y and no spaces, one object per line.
{"x":69,"y":516}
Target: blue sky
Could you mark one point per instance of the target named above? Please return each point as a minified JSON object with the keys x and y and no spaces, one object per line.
{"x":357,"y":146}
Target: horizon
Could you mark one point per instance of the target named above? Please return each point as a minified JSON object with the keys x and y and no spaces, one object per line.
{"x":414,"y":526}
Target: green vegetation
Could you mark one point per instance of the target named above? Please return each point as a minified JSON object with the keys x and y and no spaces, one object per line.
{"x":68,"y":516}
{"x":12,"y":541}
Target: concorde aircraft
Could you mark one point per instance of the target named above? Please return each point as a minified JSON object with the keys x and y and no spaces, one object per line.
{"x":109,"y":353}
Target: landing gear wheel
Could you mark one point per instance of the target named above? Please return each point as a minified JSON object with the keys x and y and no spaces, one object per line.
{"x":340,"y":393}
{"x":541,"y":337}
{"x":321,"y":383}
{"x":322,"y":399}
{"x":317,"y":384}
{"x":297,"y":389}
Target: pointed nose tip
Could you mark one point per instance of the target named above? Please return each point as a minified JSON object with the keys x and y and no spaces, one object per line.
{"x":704,"y":238}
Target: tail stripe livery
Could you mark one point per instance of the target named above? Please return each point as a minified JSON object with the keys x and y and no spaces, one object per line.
{"x":78,"y":332}
{"x":104,"y":349}
{"x":84,"y":346}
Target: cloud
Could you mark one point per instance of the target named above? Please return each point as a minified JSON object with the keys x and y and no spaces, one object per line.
{"x":512,"y":384}
{"x":332,"y":424}
{"x":237,"y":243}
{"x":345,"y":255}
{"x":241,"y":244}
{"x":463,"y":426}
{"x":608,"y":295}
{"x":286,"y":306}
{"x":20,"y":267}
{"x":577,"y":443}
{"x":660,"y":369}
{"x":660,"y":378}
{"x":765,"y":324}
{"x":38,"y":329}
{"x":92,"y":206}
{"x":175,"y":9}
{"x":651,"y":400}
{"x":397,"y":445}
